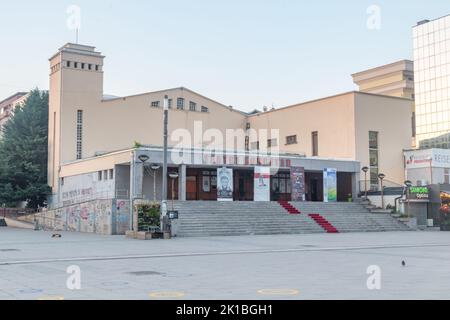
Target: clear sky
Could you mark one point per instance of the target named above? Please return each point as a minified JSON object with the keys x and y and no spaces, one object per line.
{"x":244,"y":53}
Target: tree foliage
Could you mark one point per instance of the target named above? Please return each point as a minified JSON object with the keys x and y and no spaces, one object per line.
{"x":23,"y":153}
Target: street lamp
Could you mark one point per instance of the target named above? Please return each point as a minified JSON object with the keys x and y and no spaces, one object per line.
{"x":381,"y":176}
{"x":164,"y":178}
{"x":173,"y":176}
{"x":408,"y":184}
{"x":155,"y":167}
{"x":142,"y":158}
{"x":430,"y":159}
{"x":365,"y":170}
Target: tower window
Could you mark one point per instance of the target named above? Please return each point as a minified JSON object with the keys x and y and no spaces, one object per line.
{"x":97,"y":67}
{"x":180,"y":103}
{"x":69,"y":64}
{"x":90,"y":66}
{"x":170,"y":103}
{"x":192,"y":106}
{"x":76,"y":65}
{"x":79,"y":134}
{"x":82,"y":66}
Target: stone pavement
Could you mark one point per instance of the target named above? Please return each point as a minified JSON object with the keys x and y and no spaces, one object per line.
{"x":33,"y":265}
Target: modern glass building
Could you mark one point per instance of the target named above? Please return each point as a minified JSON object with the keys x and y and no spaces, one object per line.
{"x":432,"y":82}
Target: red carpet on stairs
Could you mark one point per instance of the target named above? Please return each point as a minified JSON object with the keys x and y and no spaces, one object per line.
{"x":324,"y":223}
{"x":288,"y":207}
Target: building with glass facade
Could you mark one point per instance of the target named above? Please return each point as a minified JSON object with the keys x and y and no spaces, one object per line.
{"x":432,"y":82}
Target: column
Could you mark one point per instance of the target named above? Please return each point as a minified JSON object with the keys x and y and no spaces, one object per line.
{"x":182,"y":183}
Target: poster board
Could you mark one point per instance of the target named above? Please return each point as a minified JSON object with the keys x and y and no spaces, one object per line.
{"x":330,"y":185}
{"x":262,"y":184}
{"x":224,"y":184}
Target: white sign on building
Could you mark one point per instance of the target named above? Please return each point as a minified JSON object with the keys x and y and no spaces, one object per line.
{"x":262,"y":184}
{"x":437,"y":158}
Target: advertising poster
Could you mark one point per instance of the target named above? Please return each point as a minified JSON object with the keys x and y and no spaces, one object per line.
{"x":330,"y":185}
{"x":262,"y":184}
{"x":298,"y":183}
{"x":224,"y":184}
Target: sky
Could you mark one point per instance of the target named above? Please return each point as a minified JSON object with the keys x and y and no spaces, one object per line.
{"x":243,"y":53}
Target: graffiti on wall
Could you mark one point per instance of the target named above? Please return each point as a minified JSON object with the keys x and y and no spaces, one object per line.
{"x":104,"y":217}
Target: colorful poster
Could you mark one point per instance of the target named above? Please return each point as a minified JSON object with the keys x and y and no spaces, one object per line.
{"x":224,"y":184}
{"x":329,"y":185}
{"x":298,"y":184}
{"x":262,"y":184}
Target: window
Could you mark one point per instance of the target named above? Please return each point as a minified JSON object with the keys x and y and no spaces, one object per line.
{"x":272,"y":143}
{"x":281,"y":183}
{"x":79,"y":134}
{"x":105,"y":174}
{"x":248,"y":126}
{"x":180,"y":103}
{"x":62,"y":181}
{"x":90,"y":66}
{"x":205,"y":109}
{"x":155,"y":104}
{"x":97,"y":67}
{"x":315,"y":143}
{"x":100,"y":173}
{"x":170,"y":103}
{"x":254,"y":145}
{"x":82,"y":66}
{"x":192,"y":106}
{"x":373,"y":157}
{"x":69,"y":64}
{"x":291,"y":140}
{"x":111,"y":174}
{"x":76,"y":65}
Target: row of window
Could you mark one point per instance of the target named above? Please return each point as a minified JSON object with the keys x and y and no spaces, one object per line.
{"x":79,"y":134}
{"x":290,"y":140}
{"x":105,"y":175}
{"x":82,"y":66}
{"x":181,"y":105}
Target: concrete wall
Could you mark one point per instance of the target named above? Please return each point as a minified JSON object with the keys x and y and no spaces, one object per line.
{"x":332,"y":117}
{"x":106,"y":217}
{"x":84,"y":187}
{"x":390,"y":117}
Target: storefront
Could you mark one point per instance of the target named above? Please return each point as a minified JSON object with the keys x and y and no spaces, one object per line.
{"x":246,"y":177}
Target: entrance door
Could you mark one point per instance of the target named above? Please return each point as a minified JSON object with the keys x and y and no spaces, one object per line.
{"x":191,"y":188}
{"x":314,"y":190}
{"x":243,"y":185}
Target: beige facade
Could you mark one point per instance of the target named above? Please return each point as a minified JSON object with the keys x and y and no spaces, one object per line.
{"x":109,"y":123}
{"x":342,"y":124}
{"x":395,"y":79}
{"x":85,"y":124}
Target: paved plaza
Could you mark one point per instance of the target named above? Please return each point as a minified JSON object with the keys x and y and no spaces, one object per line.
{"x":33,"y":265}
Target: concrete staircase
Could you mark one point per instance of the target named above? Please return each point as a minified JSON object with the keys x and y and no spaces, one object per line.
{"x":204,"y":218}
{"x":351,"y":217}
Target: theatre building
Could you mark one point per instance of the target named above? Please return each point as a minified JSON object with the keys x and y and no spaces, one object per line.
{"x":108,"y":147}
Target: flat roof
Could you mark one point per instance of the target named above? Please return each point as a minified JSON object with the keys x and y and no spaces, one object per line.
{"x":329,"y":97}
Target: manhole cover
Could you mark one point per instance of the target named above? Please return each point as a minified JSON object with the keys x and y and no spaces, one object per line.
{"x":146,"y":273}
{"x":9,"y":250}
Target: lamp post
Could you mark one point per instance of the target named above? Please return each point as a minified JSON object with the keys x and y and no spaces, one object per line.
{"x":408,"y":185}
{"x":430,"y":159}
{"x":365,"y":170}
{"x":155,"y":168}
{"x":173,"y":176}
{"x":164,"y":178}
{"x":381,"y":176}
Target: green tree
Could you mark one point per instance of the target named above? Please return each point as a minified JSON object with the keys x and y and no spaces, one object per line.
{"x":23,"y":153}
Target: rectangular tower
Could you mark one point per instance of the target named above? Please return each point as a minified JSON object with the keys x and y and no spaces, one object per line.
{"x":432,"y":82}
{"x":76,"y":88}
